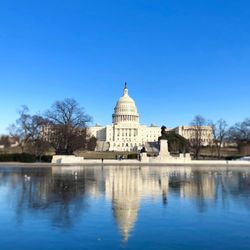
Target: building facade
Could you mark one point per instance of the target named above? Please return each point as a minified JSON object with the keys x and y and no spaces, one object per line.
{"x":127,"y":134}
{"x":190,"y":133}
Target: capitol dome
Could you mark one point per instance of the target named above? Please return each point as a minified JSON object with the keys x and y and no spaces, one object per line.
{"x":125,"y":110}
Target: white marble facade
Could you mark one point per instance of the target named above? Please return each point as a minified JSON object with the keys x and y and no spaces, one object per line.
{"x":126,"y":133}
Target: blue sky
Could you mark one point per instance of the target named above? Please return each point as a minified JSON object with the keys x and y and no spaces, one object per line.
{"x":180,"y":58}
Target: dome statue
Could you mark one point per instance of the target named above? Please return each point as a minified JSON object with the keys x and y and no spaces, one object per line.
{"x":125,"y":110}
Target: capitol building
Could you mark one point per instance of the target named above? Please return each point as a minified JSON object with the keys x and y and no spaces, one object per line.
{"x":127,"y":134}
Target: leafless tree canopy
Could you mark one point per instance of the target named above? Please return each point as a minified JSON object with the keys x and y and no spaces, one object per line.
{"x":220,"y":133}
{"x":68,"y":124}
{"x":68,"y":112}
{"x":27,"y":128}
{"x":196,"y":142}
{"x":240,"y":131}
{"x":91,"y":143}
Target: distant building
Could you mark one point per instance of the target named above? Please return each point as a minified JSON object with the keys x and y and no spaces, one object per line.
{"x":8,"y":141}
{"x":127,"y":134}
{"x":189,"y":132}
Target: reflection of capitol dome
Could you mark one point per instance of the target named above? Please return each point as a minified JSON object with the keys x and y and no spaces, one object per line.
{"x":126,"y":187}
{"x":125,"y":110}
{"x":125,"y":212}
{"x":122,"y":187}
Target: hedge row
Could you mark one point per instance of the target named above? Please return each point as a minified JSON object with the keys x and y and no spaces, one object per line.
{"x":24,"y":158}
{"x":230,"y":158}
{"x":132,"y":156}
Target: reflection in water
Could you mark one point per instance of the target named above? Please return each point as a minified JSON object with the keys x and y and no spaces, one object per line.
{"x":127,"y":186}
{"x":123,"y":187}
{"x":201,"y":186}
{"x":63,"y":193}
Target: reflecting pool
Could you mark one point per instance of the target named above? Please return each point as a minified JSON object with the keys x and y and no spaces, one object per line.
{"x":124,"y":208}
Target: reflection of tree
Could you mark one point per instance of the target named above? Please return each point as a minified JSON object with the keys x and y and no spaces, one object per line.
{"x":60,"y":196}
{"x":216,"y":186}
{"x":201,"y":187}
{"x":235,"y":186}
{"x":61,"y":193}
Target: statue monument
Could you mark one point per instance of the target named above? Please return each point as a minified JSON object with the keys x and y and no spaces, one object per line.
{"x":164,"y":153}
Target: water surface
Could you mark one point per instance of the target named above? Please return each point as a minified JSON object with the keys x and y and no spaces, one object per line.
{"x":124,"y":208}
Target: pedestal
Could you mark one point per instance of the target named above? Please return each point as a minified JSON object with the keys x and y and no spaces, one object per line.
{"x":144,"y":157}
{"x":67,"y":159}
{"x":164,"y":153}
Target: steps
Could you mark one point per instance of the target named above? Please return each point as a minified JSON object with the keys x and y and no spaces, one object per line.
{"x":152,"y":147}
{"x":102,"y":146}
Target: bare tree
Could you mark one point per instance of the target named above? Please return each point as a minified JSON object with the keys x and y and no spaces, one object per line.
{"x":219,"y":132}
{"x":38,"y":147}
{"x":28,"y":129}
{"x":91,"y":144}
{"x":67,"y":123}
{"x":5,"y":141}
{"x":196,"y":141}
{"x":240,"y":131}
{"x":212,"y":147}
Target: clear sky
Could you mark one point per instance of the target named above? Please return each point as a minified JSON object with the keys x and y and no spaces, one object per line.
{"x":180,"y":58}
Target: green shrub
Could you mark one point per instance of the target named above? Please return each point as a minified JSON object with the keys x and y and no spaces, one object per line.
{"x":26,"y":158}
{"x":18,"y":157}
{"x":46,"y":158}
{"x":230,"y":158}
{"x":132,"y":156}
{"x":6,"y":157}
